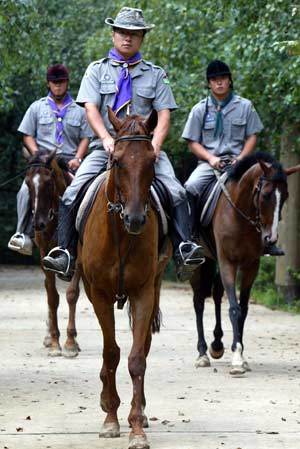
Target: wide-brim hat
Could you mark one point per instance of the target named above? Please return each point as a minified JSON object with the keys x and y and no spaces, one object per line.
{"x":129,"y":19}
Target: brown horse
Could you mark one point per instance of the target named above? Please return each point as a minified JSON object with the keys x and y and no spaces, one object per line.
{"x":245,"y":219}
{"x":120,"y":258}
{"x":47,"y":182}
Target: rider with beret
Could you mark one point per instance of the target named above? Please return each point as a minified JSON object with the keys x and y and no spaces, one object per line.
{"x":54,"y":122}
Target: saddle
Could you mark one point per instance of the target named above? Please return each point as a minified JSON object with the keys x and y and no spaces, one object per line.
{"x":206,"y":205}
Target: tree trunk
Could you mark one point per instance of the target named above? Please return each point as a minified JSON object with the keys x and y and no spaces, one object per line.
{"x":289,"y":230}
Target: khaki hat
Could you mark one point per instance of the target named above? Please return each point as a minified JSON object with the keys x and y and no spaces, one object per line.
{"x":129,"y":19}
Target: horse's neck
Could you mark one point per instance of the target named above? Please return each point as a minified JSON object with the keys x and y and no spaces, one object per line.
{"x":244,"y":191}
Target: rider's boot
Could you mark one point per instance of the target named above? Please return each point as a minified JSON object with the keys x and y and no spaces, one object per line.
{"x":272,"y":250}
{"x":192,"y":201}
{"x":187,"y":255}
{"x":61,"y":259}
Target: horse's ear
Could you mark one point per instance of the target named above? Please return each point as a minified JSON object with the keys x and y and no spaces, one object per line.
{"x":151,"y":121}
{"x":50,"y":156}
{"x":291,"y":170}
{"x":114,"y":119}
{"x":266,"y":168}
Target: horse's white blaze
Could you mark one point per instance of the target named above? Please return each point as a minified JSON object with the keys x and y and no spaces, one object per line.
{"x":274,"y":231}
{"x":237,"y":358}
{"x":36,"y":183}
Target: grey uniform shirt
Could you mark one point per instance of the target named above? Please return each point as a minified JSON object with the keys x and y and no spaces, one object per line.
{"x":40,"y":122}
{"x":150,"y":89}
{"x":240,"y":120}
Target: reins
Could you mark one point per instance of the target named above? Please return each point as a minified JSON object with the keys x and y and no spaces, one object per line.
{"x":257,"y":222}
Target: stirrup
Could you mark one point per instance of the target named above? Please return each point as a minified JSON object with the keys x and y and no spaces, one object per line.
{"x":21,"y":243}
{"x":188,"y":258}
{"x":58,"y":251}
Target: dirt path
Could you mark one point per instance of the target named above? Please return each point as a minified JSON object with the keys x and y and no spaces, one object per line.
{"x":54,"y":402}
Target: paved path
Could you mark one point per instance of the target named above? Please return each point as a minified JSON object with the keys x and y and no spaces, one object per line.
{"x":54,"y":403}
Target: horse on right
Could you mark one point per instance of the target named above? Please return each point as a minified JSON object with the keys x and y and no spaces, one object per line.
{"x":246,"y":218}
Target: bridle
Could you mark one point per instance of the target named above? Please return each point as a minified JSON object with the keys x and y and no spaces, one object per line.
{"x":257,"y":221}
{"x":118,"y":208}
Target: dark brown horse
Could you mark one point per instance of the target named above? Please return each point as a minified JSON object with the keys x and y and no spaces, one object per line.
{"x":245,"y":219}
{"x":119,"y":256}
{"x":47,"y":182}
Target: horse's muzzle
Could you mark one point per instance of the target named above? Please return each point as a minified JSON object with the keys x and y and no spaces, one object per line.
{"x":134,"y":223}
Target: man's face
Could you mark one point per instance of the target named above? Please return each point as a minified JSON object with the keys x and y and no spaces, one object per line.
{"x":220,"y":86}
{"x":127,"y":42}
{"x":58,"y":88}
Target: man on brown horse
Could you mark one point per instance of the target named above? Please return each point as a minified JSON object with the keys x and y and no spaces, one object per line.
{"x":52,"y":122}
{"x":130,"y":85}
{"x":222,"y":126}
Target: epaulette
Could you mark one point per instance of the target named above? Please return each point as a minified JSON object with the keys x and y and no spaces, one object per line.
{"x":98,"y":61}
{"x":152,"y":65}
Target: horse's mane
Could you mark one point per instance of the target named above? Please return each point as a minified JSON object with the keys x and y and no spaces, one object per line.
{"x":133,"y":125}
{"x":237,"y":171}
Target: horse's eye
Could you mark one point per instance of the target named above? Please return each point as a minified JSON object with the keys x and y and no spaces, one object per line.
{"x":267,"y":195}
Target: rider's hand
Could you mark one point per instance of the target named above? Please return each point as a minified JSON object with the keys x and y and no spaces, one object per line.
{"x":214,"y":162}
{"x":156,"y":148}
{"x":108,"y":144}
{"x":74,"y":164}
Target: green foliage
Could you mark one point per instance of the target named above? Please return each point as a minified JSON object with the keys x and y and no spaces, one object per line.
{"x":257,"y":39}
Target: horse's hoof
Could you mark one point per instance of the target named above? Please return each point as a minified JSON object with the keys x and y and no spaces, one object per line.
{"x":110,"y":430}
{"x":54,"y":351}
{"x":70,"y":352}
{"x":47,"y":341}
{"x":216,"y":354}
{"x":237,"y":370}
{"x":246,"y":366}
{"x":202,"y":361}
{"x":138,"y":442}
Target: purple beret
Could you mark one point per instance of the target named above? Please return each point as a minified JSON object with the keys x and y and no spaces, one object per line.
{"x":57,"y":72}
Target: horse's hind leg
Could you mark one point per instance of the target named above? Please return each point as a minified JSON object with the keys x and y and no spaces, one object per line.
{"x":247,"y":278}
{"x":216,"y":349}
{"x":109,"y":399}
{"x":71,"y":347}
{"x":51,"y":340}
{"x":201,"y":284}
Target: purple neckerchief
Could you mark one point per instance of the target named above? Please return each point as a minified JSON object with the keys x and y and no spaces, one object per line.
{"x":59,"y":114}
{"x":124,"y":87}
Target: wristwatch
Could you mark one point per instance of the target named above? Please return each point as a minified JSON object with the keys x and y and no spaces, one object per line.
{"x":78,"y":159}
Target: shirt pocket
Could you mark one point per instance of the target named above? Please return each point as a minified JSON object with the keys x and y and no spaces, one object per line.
{"x":72,"y":129}
{"x":208,"y":132}
{"x":107,"y":88}
{"x":46,"y":126}
{"x":238,"y":129}
{"x":144,"y":100}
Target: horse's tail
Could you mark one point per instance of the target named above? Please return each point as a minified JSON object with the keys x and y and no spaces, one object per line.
{"x":156,"y":317}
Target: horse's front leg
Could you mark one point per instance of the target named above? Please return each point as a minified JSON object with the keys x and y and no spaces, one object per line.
{"x":142,"y":306}
{"x":51,"y":340}
{"x":228,"y":274}
{"x":216,"y":349}
{"x":109,"y":399}
{"x":71,"y":347}
{"x":248,"y":275}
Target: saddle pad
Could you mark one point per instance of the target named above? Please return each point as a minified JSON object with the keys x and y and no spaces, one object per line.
{"x":87,"y":203}
{"x":209,"y":199}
